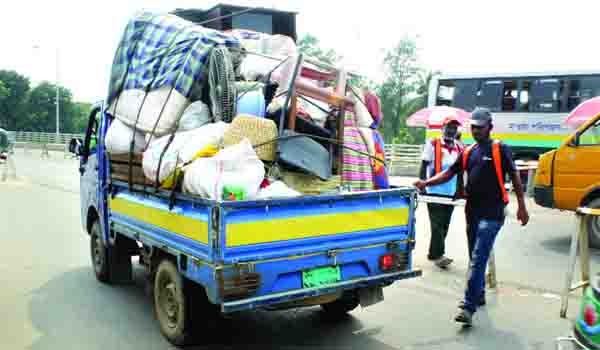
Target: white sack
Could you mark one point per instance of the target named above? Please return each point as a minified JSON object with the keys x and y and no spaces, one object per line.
{"x":195,"y":115}
{"x":118,"y":139}
{"x":237,"y":165}
{"x":129,"y":102}
{"x":277,"y":189}
{"x":183,"y":148}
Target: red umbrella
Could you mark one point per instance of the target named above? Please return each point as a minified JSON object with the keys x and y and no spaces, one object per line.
{"x":434,"y":116}
{"x":582,"y":113}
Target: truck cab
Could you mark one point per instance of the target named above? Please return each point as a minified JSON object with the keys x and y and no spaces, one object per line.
{"x":569,"y":177}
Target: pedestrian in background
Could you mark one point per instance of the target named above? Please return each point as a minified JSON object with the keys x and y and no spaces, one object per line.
{"x":439,"y":155}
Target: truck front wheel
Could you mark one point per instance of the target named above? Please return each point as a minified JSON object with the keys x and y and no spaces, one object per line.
{"x":99,"y":254}
{"x":171,"y":305}
{"x":593,"y":225}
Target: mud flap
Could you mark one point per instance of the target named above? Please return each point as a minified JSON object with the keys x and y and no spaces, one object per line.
{"x":370,"y":296}
{"x":119,"y":255}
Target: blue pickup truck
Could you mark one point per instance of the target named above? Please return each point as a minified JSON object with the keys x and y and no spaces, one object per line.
{"x":204,"y":258}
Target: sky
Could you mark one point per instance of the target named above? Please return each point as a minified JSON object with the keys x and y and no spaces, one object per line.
{"x":456,"y":36}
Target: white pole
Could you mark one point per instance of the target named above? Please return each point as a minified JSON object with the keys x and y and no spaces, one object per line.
{"x":57,"y":99}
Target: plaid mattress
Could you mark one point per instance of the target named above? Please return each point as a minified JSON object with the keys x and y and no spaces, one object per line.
{"x":163,"y":50}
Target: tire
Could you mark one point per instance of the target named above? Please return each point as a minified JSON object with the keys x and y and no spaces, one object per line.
{"x":593,"y":225}
{"x":171,"y":306}
{"x":342,"y":306}
{"x":99,"y":254}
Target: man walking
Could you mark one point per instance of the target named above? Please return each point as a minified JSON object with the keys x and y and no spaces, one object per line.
{"x":486,"y":163}
{"x":439,"y":155}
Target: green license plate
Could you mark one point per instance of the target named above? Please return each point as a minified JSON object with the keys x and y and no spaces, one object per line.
{"x":321,"y":276}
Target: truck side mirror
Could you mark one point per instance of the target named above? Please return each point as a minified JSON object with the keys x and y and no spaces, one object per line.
{"x":75,"y":146}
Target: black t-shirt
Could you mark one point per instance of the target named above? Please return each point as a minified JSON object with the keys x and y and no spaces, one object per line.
{"x":484,"y":196}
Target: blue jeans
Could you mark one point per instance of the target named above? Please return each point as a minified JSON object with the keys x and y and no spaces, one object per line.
{"x":485,"y":232}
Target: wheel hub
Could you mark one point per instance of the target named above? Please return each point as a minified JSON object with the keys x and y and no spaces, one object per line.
{"x":170,"y":304}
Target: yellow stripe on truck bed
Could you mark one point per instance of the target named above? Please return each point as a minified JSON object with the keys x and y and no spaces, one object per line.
{"x":267,"y":231}
{"x":182,"y":225}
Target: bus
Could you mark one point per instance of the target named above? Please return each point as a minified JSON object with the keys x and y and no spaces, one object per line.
{"x":529,"y":108}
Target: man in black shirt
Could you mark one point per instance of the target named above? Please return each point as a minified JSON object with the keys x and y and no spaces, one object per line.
{"x":486,"y":163}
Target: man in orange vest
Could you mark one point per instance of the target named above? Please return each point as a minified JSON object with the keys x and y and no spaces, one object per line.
{"x":439,"y":154}
{"x":486,"y":163}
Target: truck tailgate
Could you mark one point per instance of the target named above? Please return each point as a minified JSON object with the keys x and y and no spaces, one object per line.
{"x":273,"y":229}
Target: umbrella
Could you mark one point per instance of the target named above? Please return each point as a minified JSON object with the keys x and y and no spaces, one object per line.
{"x":434,"y":116}
{"x":582,"y":113}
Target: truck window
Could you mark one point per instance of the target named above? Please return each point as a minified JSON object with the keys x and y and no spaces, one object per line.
{"x":465,"y":94}
{"x":491,"y":95}
{"x":591,"y":136}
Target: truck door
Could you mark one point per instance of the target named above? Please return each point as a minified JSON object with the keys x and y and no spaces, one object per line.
{"x":88,"y":166}
{"x":577,"y":166}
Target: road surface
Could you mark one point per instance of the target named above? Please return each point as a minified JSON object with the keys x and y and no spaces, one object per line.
{"x":50,"y":299}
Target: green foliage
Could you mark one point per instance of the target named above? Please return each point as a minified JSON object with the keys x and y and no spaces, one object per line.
{"x":34,"y":109}
{"x":309,"y":45}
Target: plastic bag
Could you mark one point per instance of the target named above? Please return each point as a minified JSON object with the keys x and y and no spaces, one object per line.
{"x":183,"y":148}
{"x":195,"y":115}
{"x":236,"y":166}
{"x":277,"y":189}
{"x":118,"y":139}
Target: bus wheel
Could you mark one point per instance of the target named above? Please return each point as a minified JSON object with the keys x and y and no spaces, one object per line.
{"x":593,"y":225}
{"x":171,"y":305}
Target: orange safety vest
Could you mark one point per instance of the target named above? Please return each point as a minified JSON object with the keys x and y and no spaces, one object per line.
{"x":496,"y":157}
{"x":437,"y":161}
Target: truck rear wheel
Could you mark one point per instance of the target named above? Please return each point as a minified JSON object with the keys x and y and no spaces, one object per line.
{"x":593,"y":225}
{"x":171,"y":305}
{"x":340,"y":307}
{"x":99,"y":254}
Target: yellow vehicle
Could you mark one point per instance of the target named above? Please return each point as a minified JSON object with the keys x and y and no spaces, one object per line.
{"x":569,"y":177}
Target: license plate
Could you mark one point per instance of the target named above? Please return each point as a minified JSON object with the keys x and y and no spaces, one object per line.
{"x":321,"y":276}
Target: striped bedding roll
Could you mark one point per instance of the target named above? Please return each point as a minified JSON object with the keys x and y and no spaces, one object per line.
{"x":356,"y":169}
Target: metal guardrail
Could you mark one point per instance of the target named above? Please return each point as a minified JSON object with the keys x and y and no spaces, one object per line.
{"x":401,"y":159}
{"x":41,"y":137}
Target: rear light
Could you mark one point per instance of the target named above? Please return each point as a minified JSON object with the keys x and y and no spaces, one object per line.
{"x":386,"y":262}
{"x":394,"y":261}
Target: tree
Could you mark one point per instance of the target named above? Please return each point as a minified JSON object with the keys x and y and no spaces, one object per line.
{"x":41,"y":114}
{"x":400,"y":93}
{"x":4,"y":91}
{"x":309,"y":45}
{"x":13,"y":105}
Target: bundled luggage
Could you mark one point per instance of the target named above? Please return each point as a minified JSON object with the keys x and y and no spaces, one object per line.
{"x":235,"y":115}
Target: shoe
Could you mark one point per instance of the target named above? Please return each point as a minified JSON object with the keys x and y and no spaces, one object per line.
{"x":443,"y":262}
{"x":465,"y":317}
{"x":461,"y":305}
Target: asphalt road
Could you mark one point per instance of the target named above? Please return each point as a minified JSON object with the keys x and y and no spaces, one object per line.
{"x":49,"y":298}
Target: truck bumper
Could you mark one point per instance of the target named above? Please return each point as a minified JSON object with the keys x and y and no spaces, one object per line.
{"x":544,"y":196}
{"x":280,"y":298}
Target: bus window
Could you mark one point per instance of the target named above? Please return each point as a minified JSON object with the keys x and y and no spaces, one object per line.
{"x":525,"y":85}
{"x":465,"y":94}
{"x":491,"y":95}
{"x":581,"y":90}
{"x":546,"y":95}
{"x":509,"y":96}
{"x":445,"y":93}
